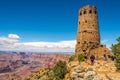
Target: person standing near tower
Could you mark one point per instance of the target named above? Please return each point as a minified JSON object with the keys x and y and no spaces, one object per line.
{"x":92,"y":58}
{"x":105,"y":57}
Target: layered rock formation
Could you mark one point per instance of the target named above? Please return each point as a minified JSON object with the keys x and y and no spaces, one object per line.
{"x":19,"y":65}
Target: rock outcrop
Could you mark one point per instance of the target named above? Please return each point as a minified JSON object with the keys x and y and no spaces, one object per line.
{"x":101,"y":70}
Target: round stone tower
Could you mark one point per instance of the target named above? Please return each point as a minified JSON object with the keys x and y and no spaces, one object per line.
{"x":88,"y":35}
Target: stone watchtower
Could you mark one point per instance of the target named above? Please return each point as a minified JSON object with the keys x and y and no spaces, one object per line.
{"x":88,"y":35}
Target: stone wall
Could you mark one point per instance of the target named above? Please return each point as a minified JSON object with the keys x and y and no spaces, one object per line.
{"x":88,"y":35}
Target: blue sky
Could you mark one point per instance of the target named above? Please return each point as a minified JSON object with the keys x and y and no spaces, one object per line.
{"x":55,"y":20}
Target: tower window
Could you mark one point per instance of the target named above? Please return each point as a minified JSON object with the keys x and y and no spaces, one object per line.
{"x":85,"y":21}
{"x":95,"y":12}
{"x":84,"y":42}
{"x":84,"y":50}
{"x":84,"y":12}
{"x":101,"y":45}
{"x":78,"y":42}
{"x":90,"y":11}
{"x":84,"y":30}
{"x":79,"y":22}
{"x":97,"y":43}
{"x":90,"y":42}
{"x":80,"y":13}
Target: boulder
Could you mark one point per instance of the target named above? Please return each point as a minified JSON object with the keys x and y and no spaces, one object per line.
{"x":72,"y":64}
{"x":89,"y":69}
{"x":73,"y":75}
{"x":100,"y":77}
{"x":89,"y":75}
{"x":81,"y":75}
{"x":79,"y":79}
{"x":113,"y":77}
{"x":79,"y":69}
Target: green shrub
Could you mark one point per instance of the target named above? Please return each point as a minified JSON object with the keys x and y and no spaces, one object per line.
{"x":117,"y":61}
{"x":81,"y":58}
{"x":116,"y":51}
{"x":60,"y":70}
{"x":71,"y":58}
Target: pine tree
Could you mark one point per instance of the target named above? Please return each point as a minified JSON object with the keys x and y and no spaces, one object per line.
{"x":116,"y":51}
{"x":60,"y":70}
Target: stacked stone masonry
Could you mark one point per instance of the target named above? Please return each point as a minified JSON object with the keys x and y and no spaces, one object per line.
{"x":88,"y":35}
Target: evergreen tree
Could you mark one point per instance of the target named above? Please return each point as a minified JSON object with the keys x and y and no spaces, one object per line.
{"x":60,"y":70}
{"x":116,"y":51}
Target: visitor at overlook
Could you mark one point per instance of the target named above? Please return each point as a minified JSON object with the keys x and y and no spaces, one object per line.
{"x":92,"y":58}
{"x":105,"y":57}
{"x":109,"y":56}
{"x":85,"y":58}
{"x":112,"y":58}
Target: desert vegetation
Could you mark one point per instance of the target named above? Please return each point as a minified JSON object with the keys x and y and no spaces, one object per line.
{"x":116,"y":51}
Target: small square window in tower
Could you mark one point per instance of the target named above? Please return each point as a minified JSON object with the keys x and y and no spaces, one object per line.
{"x":84,"y":42}
{"x":84,"y":50}
{"x":91,"y":42}
{"x":80,"y":13}
{"x":84,"y":30}
{"x":78,"y":42}
{"x":101,"y":45}
{"x":95,"y":12}
{"x":90,"y":11}
{"x":84,"y":12}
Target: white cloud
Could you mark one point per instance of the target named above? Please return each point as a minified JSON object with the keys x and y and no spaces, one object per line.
{"x":6,"y":41}
{"x":104,"y":41}
{"x":13,"y":36}
{"x":12,"y":43}
{"x":62,"y":46}
{"x":107,"y":43}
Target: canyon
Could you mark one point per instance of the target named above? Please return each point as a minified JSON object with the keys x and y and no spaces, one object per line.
{"x":18,"y":65}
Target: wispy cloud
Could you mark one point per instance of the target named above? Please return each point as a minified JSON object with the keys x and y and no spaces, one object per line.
{"x":107,"y":43}
{"x":12,"y":43}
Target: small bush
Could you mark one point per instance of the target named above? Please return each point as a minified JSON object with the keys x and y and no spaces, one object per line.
{"x":81,"y":58}
{"x":60,"y":70}
{"x":71,"y":58}
{"x":117,"y":61}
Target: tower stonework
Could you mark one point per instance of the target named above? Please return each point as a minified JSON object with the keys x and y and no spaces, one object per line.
{"x":88,"y":35}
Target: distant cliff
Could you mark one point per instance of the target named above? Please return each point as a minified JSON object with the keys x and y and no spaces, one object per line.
{"x":19,"y":65}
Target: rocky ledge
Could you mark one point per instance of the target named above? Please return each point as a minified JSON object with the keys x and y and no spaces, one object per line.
{"x":100,"y":70}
